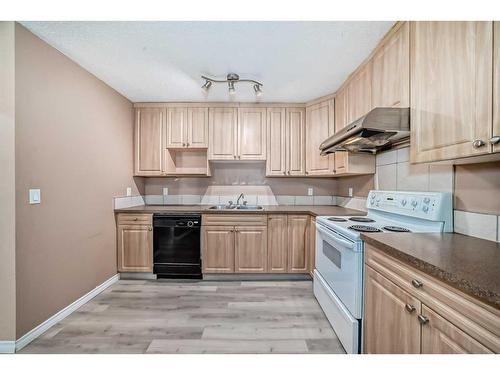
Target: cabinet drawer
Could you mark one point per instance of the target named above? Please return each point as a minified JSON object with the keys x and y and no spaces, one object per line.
{"x":234,"y":219}
{"x":477,"y":319}
{"x":130,"y":219}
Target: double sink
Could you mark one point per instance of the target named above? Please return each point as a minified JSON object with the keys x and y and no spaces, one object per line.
{"x":224,"y":207}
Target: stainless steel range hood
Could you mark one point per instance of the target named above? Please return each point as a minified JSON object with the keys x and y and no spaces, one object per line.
{"x":378,"y":129}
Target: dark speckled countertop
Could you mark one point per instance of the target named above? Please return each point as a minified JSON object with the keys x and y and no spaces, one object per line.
{"x":469,"y":264}
{"x":310,"y":210}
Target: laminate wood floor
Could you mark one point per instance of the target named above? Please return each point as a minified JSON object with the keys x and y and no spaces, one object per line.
{"x":136,"y":316}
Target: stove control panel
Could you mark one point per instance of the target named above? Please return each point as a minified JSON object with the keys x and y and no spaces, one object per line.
{"x":435,"y":206}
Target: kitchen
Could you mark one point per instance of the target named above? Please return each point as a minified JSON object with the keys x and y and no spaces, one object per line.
{"x":228,"y":214}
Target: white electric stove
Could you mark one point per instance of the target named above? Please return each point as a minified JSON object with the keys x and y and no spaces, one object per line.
{"x":338,"y":275}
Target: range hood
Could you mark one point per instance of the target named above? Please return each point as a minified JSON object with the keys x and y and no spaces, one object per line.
{"x":378,"y":129}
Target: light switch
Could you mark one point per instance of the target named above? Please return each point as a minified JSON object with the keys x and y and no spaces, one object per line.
{"x":310,"y":191}
{"x":35,"y":196}
{"x":129,"y":192}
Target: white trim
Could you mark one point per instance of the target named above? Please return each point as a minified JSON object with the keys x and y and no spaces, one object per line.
{"x":7,"y":347}
{"x":57,"y":317}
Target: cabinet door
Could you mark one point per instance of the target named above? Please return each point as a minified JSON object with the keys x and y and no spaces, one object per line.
{"x":177,"y":119}
{"x":439,"y":336}
{"x":277,"y":244}
{"x":250,"y":249}
{"x":451,"y":89}
{"x":298,"y":237}
{"x":276,"y":138}
{"x":218,"y":249}
{"x":222,"y":133}
{"x":359,"y":94}
{"x":135,"y":248}
{"x":496,"y":85}
{"x":295,"y":136}
{"x":252,"y":133}
{"x":149,"y":130}
{"x":391,"y":71}
{"x":319,"y":126}
{"x":390,"y":318}
{"x":197,"y":128}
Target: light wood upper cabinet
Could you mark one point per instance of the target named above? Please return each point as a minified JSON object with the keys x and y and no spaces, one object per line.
{"x":391,"y":70}
{"x":250,"y":249}
{"x":319,"y":126}
{"x":439,"y":336}
{"x":218,"y":249}
{"x":358,"y":91}
{"x":276,"y":142}
{"x":295,"y":136}
{"x":496,"y":86}
{"x":451,"y":89}
{"x":251,"y":133}
{"x":277,"y":244}
{"x":285,"y":142}
{"x":298,"y":246}
{"x":177,"y":127}
{"x":197,"y":128}
{"x":135,"y":248}
{"x":390,"y":325}
{"x":223,"y":132}
{"x":148,"y":142}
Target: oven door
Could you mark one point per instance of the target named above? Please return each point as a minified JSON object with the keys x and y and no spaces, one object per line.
{"x":340,"y":263}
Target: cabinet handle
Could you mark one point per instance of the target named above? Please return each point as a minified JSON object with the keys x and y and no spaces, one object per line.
{"x":423,"y":319}
{"x":135,"y":219}
{"x":417,"y":283}
{"x":289,"y":173}
{"x":239,"y":156}
{"x":284,"y":172}
{"x":183,"y":145}
{"x":478,"y":143}
{"x":410,"y":308}
{"x":495,"y":140}
{"x":150,"y":228}
{"x":187,"y":144}
{"x":307,"y":172}
{"x":235,"y":156}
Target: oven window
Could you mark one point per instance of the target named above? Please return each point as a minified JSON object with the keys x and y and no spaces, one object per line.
{"x":332,"y":253}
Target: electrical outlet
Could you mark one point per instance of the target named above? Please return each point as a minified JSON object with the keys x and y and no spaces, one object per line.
{"x":165,"y":191}
{"x":350,"y":192}
{"x":310,"y":191}
{"x":35,"y":196}
{"x":129,"y":192}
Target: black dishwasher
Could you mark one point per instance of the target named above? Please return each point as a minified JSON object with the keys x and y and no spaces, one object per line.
{"x":176,"y":246}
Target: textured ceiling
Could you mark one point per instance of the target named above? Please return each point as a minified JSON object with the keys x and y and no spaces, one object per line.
{"x":163,"y":61}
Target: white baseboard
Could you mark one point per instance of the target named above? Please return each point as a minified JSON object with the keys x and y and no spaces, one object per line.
{"x":7,"y":347}
{"x":57,"y":317}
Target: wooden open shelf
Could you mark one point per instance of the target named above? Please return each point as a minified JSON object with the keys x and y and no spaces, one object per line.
{"x":187,"y":162}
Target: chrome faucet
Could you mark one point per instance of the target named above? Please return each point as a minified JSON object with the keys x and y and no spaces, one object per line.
{"x":241,"y":196}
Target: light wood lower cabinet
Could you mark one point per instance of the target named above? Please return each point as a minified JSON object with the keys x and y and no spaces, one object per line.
{"x":250,"y":249}
{"x":406,"y":311}
{"x":277,"y":243}
{"x":281,"y":245}
{"x":390,"y":317}
{"x":298,"y":243}
{"x":135,"y":248}
{"x":218,"y":249}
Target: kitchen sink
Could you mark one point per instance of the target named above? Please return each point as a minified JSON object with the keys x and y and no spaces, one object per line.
{"x":242,"y":207}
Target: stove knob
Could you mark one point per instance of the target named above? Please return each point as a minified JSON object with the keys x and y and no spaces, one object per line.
{"x":427,"y":200}
{"x":190,"y":224}
{"x":403,"y":202}
{"x":425,"y":208}
{"x":414,"y":203}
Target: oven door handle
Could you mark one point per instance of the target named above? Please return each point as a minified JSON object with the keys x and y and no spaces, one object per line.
{"x":345,"y":243}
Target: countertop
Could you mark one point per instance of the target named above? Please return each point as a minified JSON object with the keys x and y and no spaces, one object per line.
{"x":310,"y":210}
{"x":469,"y":264}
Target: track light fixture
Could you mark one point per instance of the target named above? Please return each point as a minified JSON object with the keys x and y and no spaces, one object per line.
{"x":231,"y":79}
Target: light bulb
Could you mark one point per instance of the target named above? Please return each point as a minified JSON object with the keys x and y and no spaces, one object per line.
{"x":206,"y":86}
{"x":231,"y":88}
{"x":258,"y":90}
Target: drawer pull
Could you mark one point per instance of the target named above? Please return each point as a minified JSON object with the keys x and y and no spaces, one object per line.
{"x":416,"y":283}
{"x":135,"y":219}
{"x":410,"y":308}
{"x":150,"y":228}
{"x":478,"y":143}
{"x":423,"y":319}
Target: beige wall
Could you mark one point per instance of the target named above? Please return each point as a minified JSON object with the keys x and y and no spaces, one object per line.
{"x":74,"y":141}
{"x":7,"y":184}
